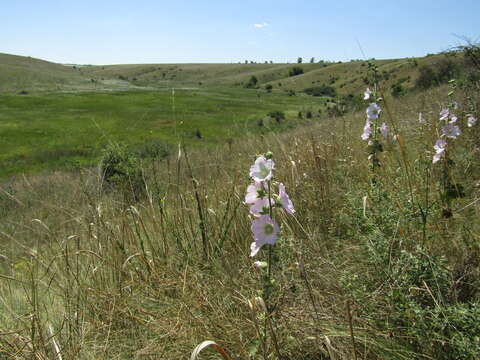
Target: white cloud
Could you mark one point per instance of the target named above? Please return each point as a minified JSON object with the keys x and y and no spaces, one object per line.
{"x":259,"y":26}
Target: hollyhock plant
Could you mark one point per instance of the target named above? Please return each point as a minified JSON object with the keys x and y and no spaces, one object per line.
{"x":451,"y":131}
{"x":265,"y":231}
{"x":261,"y":207}
{"x":285,"y":199}
{"x":444,"y":114}
{"x":261,"y":170}
{"x":373,"y":111}
{"x":367,"y":130}
{"x":439,"y":147}
{"x":255,"y":191}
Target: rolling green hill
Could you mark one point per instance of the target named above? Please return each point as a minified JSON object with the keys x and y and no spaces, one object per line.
{"x":19,"y":73}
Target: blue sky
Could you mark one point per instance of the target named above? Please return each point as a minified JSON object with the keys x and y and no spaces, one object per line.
{"x":147,"y":31}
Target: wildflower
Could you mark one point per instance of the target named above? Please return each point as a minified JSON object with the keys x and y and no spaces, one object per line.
{"x":366,"y":94}
{"x":265,"y":231}
{"x":453,"y":119}
{"x":451,"y":131}
{"x":439,"y":147}
{"x":384,"y":130}
{"x":261,"y":170}
{"x":471,"y":120}
{"x":367,"y":130}
{"x":285,"y":199}
{"x":254,"y":192}
{"x":421,"y":119}
{"x":260,"y":207}
{"x":444,"y":114}
{"x":373,"y":111}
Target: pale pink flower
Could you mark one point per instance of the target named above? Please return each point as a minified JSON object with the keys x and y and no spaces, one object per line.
{"x":471,"y":120}
{"x":261,"y":170}
{"x":439,"y":147}
{"x":366,"y":94}
{"x":265,"y":231}
{"x":285,"y":199}
{"x":444,"y":114}
{"x":451,"y":131}
{"x":373,"y":111}
{"x":253,"y":192}
{"x":260,"y":207}
{"x":384,"y":130}
{"x":367,"y":130}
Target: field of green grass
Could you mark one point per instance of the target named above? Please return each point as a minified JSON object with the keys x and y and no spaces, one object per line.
{"x":48,"y":130}
{"x":150,"y":257}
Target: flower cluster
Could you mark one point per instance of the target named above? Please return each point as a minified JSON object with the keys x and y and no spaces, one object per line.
{"x":262,"y":203}
{"x":449,"y":131}
{"x":373,"y":113}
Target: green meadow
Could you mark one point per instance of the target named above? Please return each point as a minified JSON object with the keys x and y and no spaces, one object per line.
{"x":49,"y":130}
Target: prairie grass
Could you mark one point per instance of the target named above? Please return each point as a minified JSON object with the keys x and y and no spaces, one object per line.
{"x":366,"y":272}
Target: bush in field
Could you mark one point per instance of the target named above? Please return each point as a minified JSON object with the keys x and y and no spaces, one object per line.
{"x":439,"y":73}
{"x":294,"y":71}
{"x":252,"y":82}
{"x":277,"y":115}
{"x":121,"y":169}
{"x":269,"y":87}
{"x":322,"y":90}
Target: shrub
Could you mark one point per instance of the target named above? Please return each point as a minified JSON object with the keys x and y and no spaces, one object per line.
{"x":252,"y":82}
{"x":294,"y":71}
{"x":426,"y":77}
{"x":322,"y":90}
{"x":397,"y":90}
{"x":277,"y":115}
{"x":268,"y":87}
{"x":121,"y":169}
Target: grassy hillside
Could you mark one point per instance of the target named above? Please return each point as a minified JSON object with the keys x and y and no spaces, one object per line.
{"x":20,"y":73}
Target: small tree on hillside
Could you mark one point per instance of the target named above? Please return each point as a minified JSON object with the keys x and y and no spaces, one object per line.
{"x":299,"y":60}
{"x":312,"y":60}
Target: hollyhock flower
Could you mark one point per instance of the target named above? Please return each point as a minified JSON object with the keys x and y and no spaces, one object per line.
{"x":367,"y":130}
{"x":471,"y":120}
{"x":366,"y":94}
{"x":285,"y":199}
{"x":373,"y":111}
{"x":384,"y":130}
{"x":444,"y":114}
{"x":451,"y":131}
{"x":261,"y":170}
{"x":260,"y":207}
{"x":254,"y":192}
{"x":439,"y":147}
{"x":265,"y":231}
